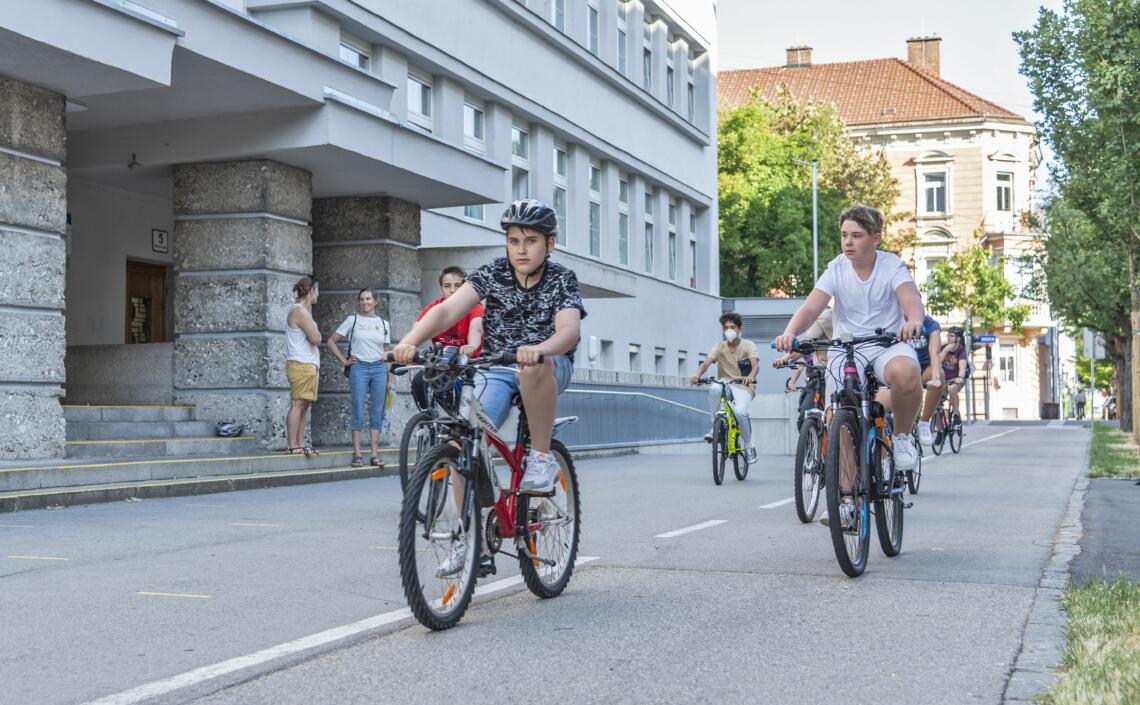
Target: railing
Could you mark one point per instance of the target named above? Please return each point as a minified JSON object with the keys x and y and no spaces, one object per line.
{"x":619,"y":415}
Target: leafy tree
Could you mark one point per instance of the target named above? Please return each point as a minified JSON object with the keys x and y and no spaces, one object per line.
{"x":1083,"y":64}
{"x":973,"y":281}
{"x":765,"y":198}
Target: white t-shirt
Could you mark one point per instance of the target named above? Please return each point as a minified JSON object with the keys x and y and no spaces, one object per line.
{"x":862,"y":306}
{"x":368,"y":338}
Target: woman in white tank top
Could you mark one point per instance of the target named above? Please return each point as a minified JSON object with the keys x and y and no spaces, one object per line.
{"x":302,"y":363}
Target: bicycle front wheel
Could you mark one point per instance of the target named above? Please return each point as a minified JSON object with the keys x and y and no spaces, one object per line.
{"x":740,"y":464}
{"x":808,"y":471}
{"x":847,"y":485}
{"x":956,"y":434}
{"x":438,"y":544}
{"x":551,"y":526}
{"x":719,"y":449}
{"x":418,"y":437}
{"x":938,"y":428}
{"x":888,"y":501}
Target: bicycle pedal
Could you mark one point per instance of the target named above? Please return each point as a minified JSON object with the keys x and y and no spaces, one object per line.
{"x":908,"y":505}
{"x":551,"y":493}
{"x":486,"y":566}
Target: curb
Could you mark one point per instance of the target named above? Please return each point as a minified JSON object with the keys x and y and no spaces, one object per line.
{"x":1043,"y":641}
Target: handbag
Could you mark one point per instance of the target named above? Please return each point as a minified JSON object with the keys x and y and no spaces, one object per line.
{"x":347,"y":368}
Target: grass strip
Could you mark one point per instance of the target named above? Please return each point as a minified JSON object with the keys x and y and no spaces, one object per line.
{"x":1112,"y":454}
{"x":1101,"y":663}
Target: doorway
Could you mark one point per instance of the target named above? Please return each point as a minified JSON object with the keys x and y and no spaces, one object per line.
{"x":146,"y":303}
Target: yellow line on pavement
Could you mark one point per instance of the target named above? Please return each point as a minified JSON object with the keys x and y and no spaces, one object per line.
{"x":174,"y":594}
{"x":126,"y":406}
{"x":186,"y":439}
{"x":162,"y":461}
{"x":40,"y":558}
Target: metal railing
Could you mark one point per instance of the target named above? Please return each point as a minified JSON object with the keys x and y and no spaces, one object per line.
{"x":617,"y":416}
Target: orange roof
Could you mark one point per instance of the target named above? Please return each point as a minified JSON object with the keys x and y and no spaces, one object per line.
{"x":864,"y":92}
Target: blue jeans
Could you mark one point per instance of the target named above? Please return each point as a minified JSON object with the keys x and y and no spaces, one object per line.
{"x":363,"y":378}
{"x":498,"y":387}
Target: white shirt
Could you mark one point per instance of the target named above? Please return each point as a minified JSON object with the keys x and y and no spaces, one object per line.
{"x":297,"y":345}
{"x":368,"y":338}
{"x":862,"y":306}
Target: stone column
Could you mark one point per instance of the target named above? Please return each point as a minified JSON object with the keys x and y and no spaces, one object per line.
{"x":33,"y":220}
{"x":241,"y":240}
{"x":363,"y":242}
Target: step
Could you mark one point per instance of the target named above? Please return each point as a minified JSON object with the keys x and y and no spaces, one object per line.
{"x":76,"y":474}
{"x":114,"y":492}
{"x":110,"y":430}
{"x":162,"y":447}
{"x":127,"y":412}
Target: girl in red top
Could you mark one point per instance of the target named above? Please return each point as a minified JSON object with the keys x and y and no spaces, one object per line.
{"x":466,"y":334}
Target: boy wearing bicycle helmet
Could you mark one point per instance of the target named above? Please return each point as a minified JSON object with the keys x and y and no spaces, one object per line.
{"x":872,"y":289}
{"x":533,"y":308}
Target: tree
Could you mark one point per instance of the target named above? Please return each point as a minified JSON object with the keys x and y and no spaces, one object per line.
{"x":1083,"y":64}
{"x":765,"y":198}
{"x":973,"y":281}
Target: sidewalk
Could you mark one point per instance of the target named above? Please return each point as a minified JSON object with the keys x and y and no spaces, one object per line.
{"x":1111,"y":541}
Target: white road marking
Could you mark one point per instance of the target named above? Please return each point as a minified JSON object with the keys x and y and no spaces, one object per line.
{"x":782,"y":502}
{"x":17,"y":526}
{"x":241,"y":523}
{"x":690,"y":529}
{"x":39,"y":558}
{"x":189,"y":595}
{"x":329,"y":636}
{"x":945,"y":454}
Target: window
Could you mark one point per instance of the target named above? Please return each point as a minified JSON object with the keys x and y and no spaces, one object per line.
{"x":473,"y":212}
{"x":932,"y":264}
{"x":419,"y":101}
{"x":692,"y":264}
{"x":622,"y":40}
{"x":520,"y":183}
{"x":673,"y":256}
{"x":682,"y":363}
{"x":659,"y":360}
{"x":634,"y":357}
{"x":595,"y":178}
{"x":692,"y":91}
{"x":1007,"y":362}
{"x":559,"y":195}
{"x":473,"y":127}
{"x":623,"y":221}
{"x":692,"y":223}
{"x":1019,"y":273}
{"x":1004,"y":191}
{"x":520,"y":143}
{"x":669,"y":86}
{"x":558,"y":14}
{"x":648,"y":204}
{"x":595,"y":229}
{"x":607,"y":354}
{"x":672,"y":212}
{"x":592,"y":28}
{"x":355,"y":52}
{"x":934,"y":192}
{"x":649,"y":247}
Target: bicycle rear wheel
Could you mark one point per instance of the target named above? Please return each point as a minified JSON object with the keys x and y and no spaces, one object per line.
{"x":417,"y":438}
{"x":956,"y":434}
{"x":431,"y":528}
{"x":719,"y":449}
{"x":808,"y":471}
{"x":888,"y":507}
{"x":844,"y":469}
{"x":938,"y":428}
{"x":914,"y":477}
{"x":551,"y":526}
{"x":740,"y":463}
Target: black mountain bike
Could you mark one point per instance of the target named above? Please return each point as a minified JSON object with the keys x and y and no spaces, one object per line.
{"x":811,"y":447}
{"x":946,"y":424}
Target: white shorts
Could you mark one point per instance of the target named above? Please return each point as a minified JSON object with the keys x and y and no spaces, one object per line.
{"x":875,"y":356}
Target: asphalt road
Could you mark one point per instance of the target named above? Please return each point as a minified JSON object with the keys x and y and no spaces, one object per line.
{"x":1110,"y":545}
{"x":292,"y":595}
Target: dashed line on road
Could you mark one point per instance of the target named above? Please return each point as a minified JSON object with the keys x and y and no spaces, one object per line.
{"x":689,"y":529}
{"x":782,"y":502}
{"x":39,"y":558}
{"x":246,"y":523}
{"x":329,"y":636}
{"x":17,"y":526}
{"x":188,"y":595}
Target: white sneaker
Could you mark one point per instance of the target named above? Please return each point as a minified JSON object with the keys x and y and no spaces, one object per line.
{"x":541,"y":471}
{"x":454,"y":561}
{"x":924,"y":433}
{"x":906,"y":455}
{"x":751,"y":454}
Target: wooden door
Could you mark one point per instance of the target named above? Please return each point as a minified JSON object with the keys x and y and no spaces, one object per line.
{"x":146,"y":303}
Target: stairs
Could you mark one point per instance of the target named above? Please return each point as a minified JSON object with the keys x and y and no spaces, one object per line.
{"x":117,"y":452}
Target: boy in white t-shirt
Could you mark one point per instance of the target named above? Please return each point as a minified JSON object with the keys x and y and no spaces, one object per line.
{"x":872,"y":289}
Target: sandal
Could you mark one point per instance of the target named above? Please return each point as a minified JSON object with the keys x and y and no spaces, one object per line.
{"x":357,"y":462}
{"x":294,"y":451}
{"x":309,"y":451}
{"x":377,"y":462}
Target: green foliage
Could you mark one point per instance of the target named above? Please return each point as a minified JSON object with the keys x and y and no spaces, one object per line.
{"x":973,"y":280}
{"x":765,"y":198}
{"x":1112,"y":453}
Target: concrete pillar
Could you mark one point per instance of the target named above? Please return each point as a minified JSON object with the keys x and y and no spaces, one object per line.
{"x":660,"y":44}
{"x":241,"y":241}
{"x":357,"y":243}
{"x":661,"y":243}
{"x":634,"y":27}
{"x":684,"y":237}
{"x":637,"y":216}
{"x":393,"y":67}
{"x":447,"y":120}
{"x":33,"y":221}
{"x":705,"y":89}
{"x":576,"y":21}
{"x":542,"y":164}
{"x":680,"y":52}
{"x":578,"y":200}
{"x":607,"y":33}
{"x":610,"y":177}
{"x":499,"y":149}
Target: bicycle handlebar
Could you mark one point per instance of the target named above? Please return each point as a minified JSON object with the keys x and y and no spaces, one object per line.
{"x":879,"y":336}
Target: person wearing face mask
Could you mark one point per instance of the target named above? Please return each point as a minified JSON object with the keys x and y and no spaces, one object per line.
{"x":735,"y":358}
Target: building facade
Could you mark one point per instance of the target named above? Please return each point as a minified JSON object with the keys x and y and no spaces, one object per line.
{"x":966,"y":172}
{"x":171,"y":167}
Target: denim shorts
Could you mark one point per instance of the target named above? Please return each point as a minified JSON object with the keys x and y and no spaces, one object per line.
{"x":497,"y":388}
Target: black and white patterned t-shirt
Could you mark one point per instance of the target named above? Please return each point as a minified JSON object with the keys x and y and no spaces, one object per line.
{"x":514,"y":316}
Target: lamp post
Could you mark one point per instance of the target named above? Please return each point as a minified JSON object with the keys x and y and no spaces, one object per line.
{"x":814,"y":215}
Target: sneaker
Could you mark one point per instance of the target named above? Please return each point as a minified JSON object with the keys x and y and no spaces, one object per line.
{"x":751,"y":454}
{"x":925,"y":435}
{"x":455,"y":560}
{"x":708,"y":438}
{"x":846,"y":516}
{"x":906,"y":455}
{"x":541,"y":471}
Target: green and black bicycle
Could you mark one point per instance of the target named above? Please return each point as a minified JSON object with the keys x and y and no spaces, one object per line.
{"x":726,"y":433}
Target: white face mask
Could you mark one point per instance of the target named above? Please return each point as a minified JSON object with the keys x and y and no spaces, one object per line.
{"x":730,"y":335}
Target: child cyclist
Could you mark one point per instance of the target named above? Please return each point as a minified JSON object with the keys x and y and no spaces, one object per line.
{"x":533,"y":308}
{"x":872,"y":289}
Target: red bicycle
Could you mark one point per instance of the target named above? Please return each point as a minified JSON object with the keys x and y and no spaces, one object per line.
{"x":442,"y":528}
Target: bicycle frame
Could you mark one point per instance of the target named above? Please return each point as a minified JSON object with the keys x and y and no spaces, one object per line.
{"x":730,"y":417}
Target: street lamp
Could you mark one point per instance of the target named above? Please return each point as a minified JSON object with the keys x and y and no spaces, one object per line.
{"x":814,"y":215}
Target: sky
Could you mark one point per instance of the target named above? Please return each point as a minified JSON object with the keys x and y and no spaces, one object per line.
{"x":978,"y":50}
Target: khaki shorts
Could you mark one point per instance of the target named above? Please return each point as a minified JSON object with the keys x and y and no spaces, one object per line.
{"x":302,"y":380}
